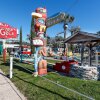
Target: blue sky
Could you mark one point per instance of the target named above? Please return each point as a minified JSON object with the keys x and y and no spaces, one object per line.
{"x":18,"y":13}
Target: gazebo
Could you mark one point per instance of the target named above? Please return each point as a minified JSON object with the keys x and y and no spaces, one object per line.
{"x":86,"y":40}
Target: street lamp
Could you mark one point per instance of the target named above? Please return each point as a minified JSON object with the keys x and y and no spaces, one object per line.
{"x":65,"y":29}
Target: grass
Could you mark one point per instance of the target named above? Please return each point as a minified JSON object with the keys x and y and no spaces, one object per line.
{"x":52,"y":61}
{"x":40,"y":89}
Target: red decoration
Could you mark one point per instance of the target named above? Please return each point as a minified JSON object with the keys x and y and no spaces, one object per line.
{"x":4,"y":55}
{"x":42,"y":71}
{"x":64,"y":66}
{"x":26,"y":52}
{"x":42,"y":11}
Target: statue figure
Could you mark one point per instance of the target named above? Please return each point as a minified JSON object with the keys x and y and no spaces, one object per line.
{"x":40,"y":41}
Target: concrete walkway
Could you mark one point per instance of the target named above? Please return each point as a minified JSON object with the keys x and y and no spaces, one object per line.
{"x":7,"y":89}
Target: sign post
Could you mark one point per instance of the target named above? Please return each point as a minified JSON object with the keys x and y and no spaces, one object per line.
{"x":11,"y":65}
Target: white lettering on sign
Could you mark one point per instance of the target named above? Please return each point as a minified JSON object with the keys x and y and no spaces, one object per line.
{"x":4,"y":25}
{"x":7,"y":31}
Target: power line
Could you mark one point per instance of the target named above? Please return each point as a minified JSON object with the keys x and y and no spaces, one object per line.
{"x":72,"y":5}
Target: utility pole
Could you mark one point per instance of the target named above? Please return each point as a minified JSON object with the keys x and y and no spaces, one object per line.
{"x":65,"y":34}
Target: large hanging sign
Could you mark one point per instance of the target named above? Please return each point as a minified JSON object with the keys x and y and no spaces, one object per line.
{"x":6,"y":31}
{"x":58,"y":18}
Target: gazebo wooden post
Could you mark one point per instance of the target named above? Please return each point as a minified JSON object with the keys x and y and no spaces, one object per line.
{"x":82,"y":53}
{"x":90,"y":60}
{"x":96,"y":56}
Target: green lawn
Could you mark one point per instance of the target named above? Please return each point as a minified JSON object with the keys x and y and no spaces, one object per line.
{"x":40,"y":89}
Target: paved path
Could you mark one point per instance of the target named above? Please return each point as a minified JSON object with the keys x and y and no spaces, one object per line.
{"x":7,"y":89}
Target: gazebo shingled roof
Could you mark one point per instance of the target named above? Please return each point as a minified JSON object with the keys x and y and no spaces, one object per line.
{"x":81,"y":37}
